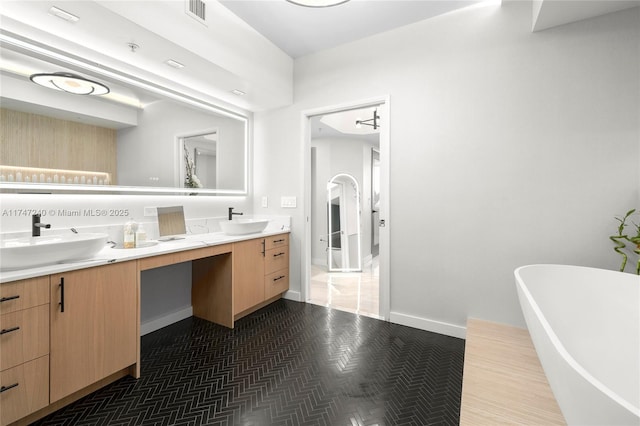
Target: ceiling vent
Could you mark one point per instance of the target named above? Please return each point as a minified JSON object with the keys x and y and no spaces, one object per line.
{"x":197,"y":10}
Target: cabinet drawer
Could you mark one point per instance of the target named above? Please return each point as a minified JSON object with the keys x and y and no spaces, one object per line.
{"x":25,"y":389}
{"x":276,"y":259}
{"x":24,"y":294}
{"x":276,"y":283}
{"x":276,"y":241}
{"x":25,"y":336}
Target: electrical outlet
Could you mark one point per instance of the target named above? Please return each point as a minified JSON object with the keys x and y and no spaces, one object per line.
{"x":288,"y":202}
{"x":265,"y":201}
{"x":150,"y":211}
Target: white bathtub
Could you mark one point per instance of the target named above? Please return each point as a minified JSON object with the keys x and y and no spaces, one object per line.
{"x":585,"y":326}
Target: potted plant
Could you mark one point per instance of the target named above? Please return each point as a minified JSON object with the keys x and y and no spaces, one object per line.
{"x":620,"y":239}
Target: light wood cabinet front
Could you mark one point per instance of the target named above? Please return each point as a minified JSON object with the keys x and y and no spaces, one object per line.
{"x":276,"y":283}
{"x":276,"y":259}
{"x":24,"y":335}
{"x":24,"y":294}
{"x":93,"y":325}
{"x":25,"y":389}
{"x":248,"y":274}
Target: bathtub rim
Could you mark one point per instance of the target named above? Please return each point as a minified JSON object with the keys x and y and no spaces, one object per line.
{"x":558,"y":344}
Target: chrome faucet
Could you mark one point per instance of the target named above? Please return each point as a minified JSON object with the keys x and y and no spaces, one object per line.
{"x":231,"y":213}
{"x":36,"y":225}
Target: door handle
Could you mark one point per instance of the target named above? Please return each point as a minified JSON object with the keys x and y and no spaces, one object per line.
{"x":61,"y":285}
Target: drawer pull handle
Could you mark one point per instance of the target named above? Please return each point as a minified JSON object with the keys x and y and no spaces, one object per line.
{"x":61,"y":294}
{"x":279,"y":254}
{"x":278,"y":278}
{"x":278,"y":241}
{"x":6,"y":299}
{"x":6,"y":388}
{"x":8,"y":330}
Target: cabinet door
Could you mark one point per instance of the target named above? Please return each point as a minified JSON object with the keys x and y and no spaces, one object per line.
{"x":248,"y":274}
{"x":93,"y":325}
{"x":25,"y":389}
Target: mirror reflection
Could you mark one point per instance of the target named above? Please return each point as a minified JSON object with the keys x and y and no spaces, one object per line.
{"x":199,"y":162}
{"x":343,"y":218}
{"x":129,"y":138}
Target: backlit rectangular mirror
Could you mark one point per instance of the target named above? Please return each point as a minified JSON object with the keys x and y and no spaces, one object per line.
{"x":138,"y":137}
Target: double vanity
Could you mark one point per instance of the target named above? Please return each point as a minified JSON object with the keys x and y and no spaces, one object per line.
{"x":70,"y":329}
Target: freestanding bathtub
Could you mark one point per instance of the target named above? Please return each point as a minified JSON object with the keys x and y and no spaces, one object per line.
{"x":585,"y":326}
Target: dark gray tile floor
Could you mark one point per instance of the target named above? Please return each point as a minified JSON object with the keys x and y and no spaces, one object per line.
{"x":288,"y":364}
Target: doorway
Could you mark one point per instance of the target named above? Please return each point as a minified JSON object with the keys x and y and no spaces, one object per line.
{"x":346,"y":251}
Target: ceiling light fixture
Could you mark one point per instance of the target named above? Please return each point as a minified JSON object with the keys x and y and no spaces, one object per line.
{"x":63,"y":14}
{"x":174,"y":64}
{"x":69,"y":83}
{"x":317,"y":3}
{"x":238,"y":92}
{"x":375,"y":119}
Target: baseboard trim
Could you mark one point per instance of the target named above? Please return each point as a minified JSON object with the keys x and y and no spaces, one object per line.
{"x":428,"y":325}
{"x":292,"y":295}
{"x":158,"y":323}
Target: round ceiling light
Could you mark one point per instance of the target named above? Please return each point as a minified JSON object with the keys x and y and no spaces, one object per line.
{"x":69,"y":83}
{"x":317,"y":3}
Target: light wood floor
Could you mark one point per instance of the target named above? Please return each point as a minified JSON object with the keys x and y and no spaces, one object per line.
{"x":347,"y":291}
{"x":503,"y":381}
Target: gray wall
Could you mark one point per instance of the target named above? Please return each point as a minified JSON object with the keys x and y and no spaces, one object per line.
{"x":507,"y":148}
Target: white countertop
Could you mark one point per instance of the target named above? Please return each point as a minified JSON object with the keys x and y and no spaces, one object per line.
{"x":113,"y":255}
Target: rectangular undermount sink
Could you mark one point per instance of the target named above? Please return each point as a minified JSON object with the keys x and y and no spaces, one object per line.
{"x":30,"y":252}
{"x":243,"y":226}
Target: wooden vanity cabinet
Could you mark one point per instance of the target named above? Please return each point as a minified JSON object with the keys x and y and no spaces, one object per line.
{"x":24,"y":348}
{"x":276,"y":280}
{"x":93,"y":325}
{"x":248,"y":274}
{"x":260,"y":272}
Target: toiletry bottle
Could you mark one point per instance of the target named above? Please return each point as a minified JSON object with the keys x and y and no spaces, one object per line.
{"x":141,"y":236}
{"x":130,"y":234}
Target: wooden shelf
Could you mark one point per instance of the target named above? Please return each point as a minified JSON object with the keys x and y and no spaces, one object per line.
{"x":503,"y":381}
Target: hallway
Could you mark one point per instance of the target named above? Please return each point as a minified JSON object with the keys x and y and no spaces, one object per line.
{"x":353,"y":292}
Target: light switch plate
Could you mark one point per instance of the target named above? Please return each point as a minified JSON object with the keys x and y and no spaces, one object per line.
{"x":150,"y":211}
{"x":288,"y":202}
{"x":265,"y":201}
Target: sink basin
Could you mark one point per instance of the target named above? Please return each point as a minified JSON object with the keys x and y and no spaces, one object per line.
{"x":243,"y":226}
{"x":29,"y":252}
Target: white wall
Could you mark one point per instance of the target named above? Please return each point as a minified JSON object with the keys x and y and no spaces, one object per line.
{"x":507,"y":148}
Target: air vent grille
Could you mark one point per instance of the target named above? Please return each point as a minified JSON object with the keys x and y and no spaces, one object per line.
{"x":197,"y":10}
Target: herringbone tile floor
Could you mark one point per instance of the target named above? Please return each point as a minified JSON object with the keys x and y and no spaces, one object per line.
{"x":287,"y":364}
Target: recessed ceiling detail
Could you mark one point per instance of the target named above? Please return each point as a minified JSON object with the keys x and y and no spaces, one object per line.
{"x":317,"y":3}
{"x":63,"y":14}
